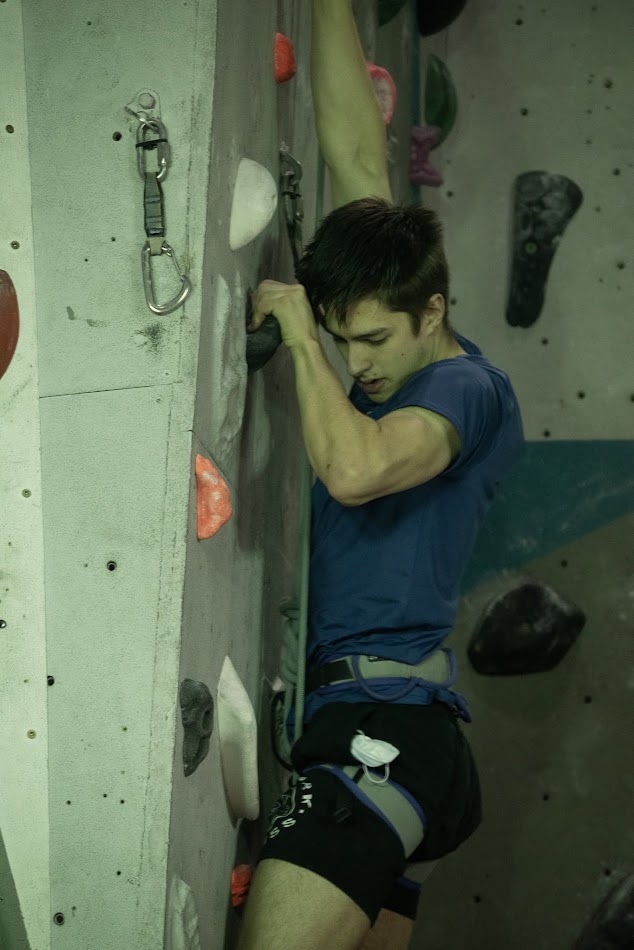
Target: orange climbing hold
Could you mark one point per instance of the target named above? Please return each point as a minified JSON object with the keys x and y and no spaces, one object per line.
{"x":213,"y":498}
{"x":284,"y":63}
{"x":240,"y":884}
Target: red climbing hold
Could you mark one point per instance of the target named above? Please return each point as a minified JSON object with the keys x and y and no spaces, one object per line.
{"x":384,"y":90}
{"x":285,"y":66}
{"x":213,"y":497}
{"x":9,"y":321}
{"x":240,"y":884}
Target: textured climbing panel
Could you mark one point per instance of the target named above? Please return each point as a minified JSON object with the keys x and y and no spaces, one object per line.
{"x":9,"y":321}
{"x":543,"y":206}
{"x":526,"y":630}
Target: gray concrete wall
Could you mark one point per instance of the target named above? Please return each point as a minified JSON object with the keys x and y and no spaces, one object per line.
{"x":116,"y":399}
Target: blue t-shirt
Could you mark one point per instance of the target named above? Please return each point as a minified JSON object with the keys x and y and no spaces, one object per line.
{"x":385,"y":575}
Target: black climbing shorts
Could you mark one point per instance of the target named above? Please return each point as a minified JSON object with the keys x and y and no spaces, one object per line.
{"x":360,"y":853}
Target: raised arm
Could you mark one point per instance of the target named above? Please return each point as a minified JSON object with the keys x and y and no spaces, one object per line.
{"x":350,"y":126}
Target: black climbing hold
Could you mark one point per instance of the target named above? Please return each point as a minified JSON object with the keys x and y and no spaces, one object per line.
{"x":436,"y":15}
{"x":262,"y":344}
{"x":197,"y":711}
{"x":544,"y":205}
{"x":611,"y":926}
{"x":526,"y":630}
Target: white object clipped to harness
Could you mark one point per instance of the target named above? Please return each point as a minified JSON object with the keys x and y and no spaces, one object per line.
{"x":373,"y":753}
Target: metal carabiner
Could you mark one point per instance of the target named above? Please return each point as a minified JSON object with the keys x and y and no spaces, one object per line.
{"x":294,"y":204}
{"x":161,"y":145}
{"x":146,"y":266}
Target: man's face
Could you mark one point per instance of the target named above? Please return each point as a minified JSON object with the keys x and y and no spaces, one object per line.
{"x":387,"y":350}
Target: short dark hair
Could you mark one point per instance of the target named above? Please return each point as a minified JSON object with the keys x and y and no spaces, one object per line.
{"x":371,"y":248}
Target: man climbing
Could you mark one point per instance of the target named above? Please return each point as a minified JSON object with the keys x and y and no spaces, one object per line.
{"x":407,"y":465}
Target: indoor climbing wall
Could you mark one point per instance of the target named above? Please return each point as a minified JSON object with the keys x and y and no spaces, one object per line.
{"x":150,"y":460}
{"x":152,"y":498}
{"x":536,"y":196}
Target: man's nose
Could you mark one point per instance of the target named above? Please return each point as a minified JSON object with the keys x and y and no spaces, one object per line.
{"x":358,"y":365}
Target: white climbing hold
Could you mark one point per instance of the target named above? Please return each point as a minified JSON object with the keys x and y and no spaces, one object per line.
{"x":238,"y":735}
{"x":254,"y":203}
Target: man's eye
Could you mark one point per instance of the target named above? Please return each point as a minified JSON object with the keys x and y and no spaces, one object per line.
{"x":341,"y":342}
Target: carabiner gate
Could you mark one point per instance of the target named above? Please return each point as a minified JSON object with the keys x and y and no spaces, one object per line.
{"x":146,"y":266}
{"x":290,"y":178}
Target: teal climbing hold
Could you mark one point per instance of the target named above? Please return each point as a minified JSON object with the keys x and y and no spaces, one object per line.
{"x":441,"y":100}
{"x":388,"y":10}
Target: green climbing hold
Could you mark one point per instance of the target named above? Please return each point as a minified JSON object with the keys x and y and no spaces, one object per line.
{"x":388,"y":10}
{"x":441,"y":101}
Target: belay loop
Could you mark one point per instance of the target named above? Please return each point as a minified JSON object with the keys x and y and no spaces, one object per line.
{"x":156,"y":243}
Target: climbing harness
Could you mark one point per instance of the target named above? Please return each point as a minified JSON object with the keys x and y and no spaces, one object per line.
{"x":389,"y":800}
{"x":290,"y":177}
{"x":156,"y":243}
{"x":436,"y":673}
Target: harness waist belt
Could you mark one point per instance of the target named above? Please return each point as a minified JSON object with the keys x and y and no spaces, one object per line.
{"x":436,"y":668}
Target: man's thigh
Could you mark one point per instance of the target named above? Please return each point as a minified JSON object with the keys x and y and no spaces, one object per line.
{"x":293,"y":908}
{"x":391,"y":932}
{"x":320,"y":826}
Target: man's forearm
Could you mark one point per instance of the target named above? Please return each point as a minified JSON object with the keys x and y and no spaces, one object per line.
{"x":347,"y":114}
{"x":336,"y":435}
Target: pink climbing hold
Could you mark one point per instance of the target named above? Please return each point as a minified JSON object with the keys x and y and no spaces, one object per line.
{"x":213,"y":499}
{"x":284,"y":65}
{"x":421,"y":171}
{"x":384,"y":89}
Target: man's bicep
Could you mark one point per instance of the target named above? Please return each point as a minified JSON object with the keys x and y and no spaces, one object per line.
{"x":412,"y":446}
